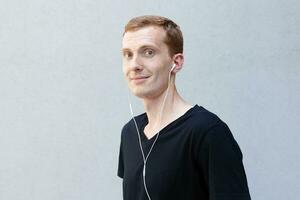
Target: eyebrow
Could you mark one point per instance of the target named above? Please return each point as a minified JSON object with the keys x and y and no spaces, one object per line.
{"x":125,"y":50}
{"x":142,"y":47}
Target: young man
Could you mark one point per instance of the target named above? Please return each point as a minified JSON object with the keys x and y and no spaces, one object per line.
{"x":174,"y":150}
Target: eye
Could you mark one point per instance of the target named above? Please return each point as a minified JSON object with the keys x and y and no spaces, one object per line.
{"x":127,"y":54}
{"x":149,"y":52}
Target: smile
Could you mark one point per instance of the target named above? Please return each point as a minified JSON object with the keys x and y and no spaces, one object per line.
{"x":138,"y":80}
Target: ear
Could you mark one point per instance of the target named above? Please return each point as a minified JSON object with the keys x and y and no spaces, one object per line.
{"x":178,"y":59}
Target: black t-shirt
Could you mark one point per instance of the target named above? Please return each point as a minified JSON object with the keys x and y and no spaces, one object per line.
{"x":194,"y":158}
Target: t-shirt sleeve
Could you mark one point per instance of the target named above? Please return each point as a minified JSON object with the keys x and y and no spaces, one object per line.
{"x":220,"y":161}
{"x":121,"y":163}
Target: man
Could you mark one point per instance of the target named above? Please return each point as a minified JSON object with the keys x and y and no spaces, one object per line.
{"x":174,"y":150}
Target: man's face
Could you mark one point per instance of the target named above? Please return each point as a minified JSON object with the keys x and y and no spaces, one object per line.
{"x":146,"y":61}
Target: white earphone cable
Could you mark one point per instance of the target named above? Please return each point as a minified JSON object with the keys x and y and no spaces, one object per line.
{"x":138,"y":132}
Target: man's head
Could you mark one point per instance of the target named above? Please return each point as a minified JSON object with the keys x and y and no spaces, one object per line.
{"x":151,"y":46}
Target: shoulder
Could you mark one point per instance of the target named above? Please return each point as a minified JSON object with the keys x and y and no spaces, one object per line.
{"x":207,"y":126}
{"x":210,"y":132}
{"x":130,"y":125}
{"x":202,"y":119}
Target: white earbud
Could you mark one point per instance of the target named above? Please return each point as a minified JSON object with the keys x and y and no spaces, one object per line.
{"x":173,"y":67}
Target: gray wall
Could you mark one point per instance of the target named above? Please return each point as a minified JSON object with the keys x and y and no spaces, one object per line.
{"x":63,"y":98}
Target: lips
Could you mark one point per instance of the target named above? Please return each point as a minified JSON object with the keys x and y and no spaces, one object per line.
{"x":139,"y":77}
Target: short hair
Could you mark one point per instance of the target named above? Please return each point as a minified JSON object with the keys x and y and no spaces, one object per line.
{"x":173,"y":39}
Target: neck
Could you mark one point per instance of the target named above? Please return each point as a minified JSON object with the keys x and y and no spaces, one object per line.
{"x":174,"y":107}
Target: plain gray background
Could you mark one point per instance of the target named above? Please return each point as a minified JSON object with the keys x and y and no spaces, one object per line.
{"x":63,"y":97}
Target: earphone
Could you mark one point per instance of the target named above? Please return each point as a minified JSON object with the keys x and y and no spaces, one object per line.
{"x":139,"y":137}
{"x":173,"y":67}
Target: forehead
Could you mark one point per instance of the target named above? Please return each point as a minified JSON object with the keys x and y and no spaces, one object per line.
{"x":147,"y":36}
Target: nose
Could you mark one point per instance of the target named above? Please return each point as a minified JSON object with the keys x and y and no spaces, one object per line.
{"x":135,"y":63}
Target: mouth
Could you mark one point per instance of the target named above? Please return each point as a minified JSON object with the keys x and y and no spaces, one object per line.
{"x":139,"y":79}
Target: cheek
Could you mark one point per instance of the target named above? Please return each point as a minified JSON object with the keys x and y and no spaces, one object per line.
{"x":124,"y":70}
{"x":125,"y":65}
{"x":161,"y":80}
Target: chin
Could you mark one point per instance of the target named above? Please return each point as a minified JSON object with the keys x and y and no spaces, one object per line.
{"x":141,"y":93}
